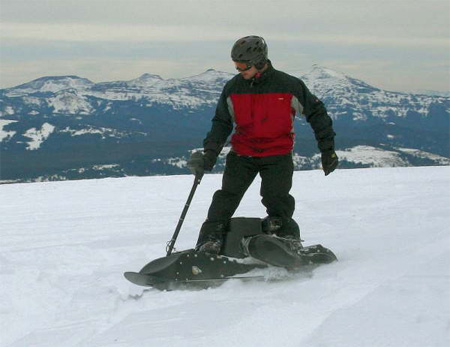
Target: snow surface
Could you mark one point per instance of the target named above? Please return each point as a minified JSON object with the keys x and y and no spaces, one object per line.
{"x":75,"y":95}
{"x":64,"y":246}
{"x":372,"y":156}
{"x":69,"y":102}
{"x":38,"y":136}
{"x":360,"y":96}
{"x":53,"y":84}
{"x":4,"y":134}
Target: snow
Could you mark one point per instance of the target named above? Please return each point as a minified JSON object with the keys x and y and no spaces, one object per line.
{"x":38,"y":136}
{"x":9,"y":111}
{"x":210,"y":76}
{"x":69,"y":102}
{"x":145,"y":80}
{"x":342,"y":94}
{"x":4,"y":134}
{"x":426,"y":155}
{"x":102,"y":131}
{"x":371,"y":156}
{"x":65,"y":245}
{"x":361,"y":97}
{"x":193,"y":92}
{"x":52,"y":84}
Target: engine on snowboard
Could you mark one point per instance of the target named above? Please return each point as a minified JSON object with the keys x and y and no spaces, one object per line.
{"x":246,"y":248}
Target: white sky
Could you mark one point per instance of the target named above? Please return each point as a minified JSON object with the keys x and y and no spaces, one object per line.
{"x":395,"y":44}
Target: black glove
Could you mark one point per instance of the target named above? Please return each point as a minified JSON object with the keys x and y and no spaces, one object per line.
{"x":330,"y":162}
{"x":210,"y":159}
{"x":201,"y":162}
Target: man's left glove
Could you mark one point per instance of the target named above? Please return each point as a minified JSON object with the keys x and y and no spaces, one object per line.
{"x":201,"y":162}
{"x":330,"y":162}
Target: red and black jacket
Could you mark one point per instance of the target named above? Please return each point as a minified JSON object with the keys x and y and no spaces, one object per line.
{"x":261,"y":111}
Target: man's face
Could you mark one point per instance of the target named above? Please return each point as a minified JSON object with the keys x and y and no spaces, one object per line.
{"x":247,"y":72}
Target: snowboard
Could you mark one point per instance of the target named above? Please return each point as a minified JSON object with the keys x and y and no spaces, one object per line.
{"x":246,"y":248}
{"x":190,"y":269}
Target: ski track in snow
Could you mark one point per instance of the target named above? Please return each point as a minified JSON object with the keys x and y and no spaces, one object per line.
{"x":65,"y":245}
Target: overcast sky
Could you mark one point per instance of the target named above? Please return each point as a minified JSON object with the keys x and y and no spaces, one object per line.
{"x":399,"y":45}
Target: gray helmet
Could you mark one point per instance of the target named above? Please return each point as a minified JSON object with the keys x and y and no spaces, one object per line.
{"x":250,"y":49}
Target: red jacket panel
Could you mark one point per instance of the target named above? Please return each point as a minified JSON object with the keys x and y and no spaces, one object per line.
{"x":264,"y":124}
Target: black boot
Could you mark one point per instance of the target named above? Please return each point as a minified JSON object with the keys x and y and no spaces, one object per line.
{"x":281,"y":227}
{"x":211,"y":247}
{"x":211,"y":238}
{"x":280,"y":244}
{"x":289,"y":234}
{"x":271,"y":250}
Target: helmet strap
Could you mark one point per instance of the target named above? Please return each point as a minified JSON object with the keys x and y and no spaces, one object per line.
{"x":260,"y":65}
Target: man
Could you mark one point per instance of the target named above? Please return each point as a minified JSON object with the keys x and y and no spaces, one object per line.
{"x":260,"y":104}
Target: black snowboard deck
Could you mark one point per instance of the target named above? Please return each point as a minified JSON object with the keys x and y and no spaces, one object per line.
{"x":190,"y":269}
{"x":188,"y":284}
{"x":193,"y":270}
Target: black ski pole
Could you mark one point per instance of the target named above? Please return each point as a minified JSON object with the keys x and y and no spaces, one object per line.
{"x":171,"y":243}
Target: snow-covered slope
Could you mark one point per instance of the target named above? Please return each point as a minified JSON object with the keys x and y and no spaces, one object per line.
{"x":194,"y":91}
{"x":64,"y":246}
{"x":343,"y":94}
{"x":52,"y":84}
{"x":347,"y":96}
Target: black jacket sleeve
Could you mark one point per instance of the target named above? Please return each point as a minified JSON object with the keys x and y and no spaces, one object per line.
{"x":317,"y":116}
{"x":222,"y":126}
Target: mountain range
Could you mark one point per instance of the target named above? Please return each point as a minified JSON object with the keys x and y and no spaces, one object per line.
{"x":68,"y":127}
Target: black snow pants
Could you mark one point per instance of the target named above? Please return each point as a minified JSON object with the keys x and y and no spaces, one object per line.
{"x":240,"y":171}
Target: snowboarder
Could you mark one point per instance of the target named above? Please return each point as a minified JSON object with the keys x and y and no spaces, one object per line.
{"x":259,"y":103}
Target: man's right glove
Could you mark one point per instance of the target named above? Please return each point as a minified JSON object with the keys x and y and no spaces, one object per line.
{"x":330,"y":162}
{"x":201,"y":162}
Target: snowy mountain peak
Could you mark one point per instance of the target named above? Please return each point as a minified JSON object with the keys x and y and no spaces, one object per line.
{"x":324,"y":75}
{"x":322,"y":72}
{"x":210,"y":75}
{"x":323,"y":79}
{"x":54,"y":84}
{"x":146,"y":79}
{"x":149,"y":77}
